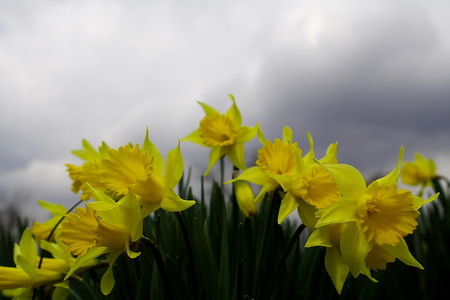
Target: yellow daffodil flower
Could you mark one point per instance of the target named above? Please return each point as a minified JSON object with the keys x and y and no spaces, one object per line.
{"x":224,"y":134}
{"x":31,"y":271}
{"x":420,"y":171}
{"x":376,"y":215}
{"x":90,"y":173}
{"x":41,"y":231}
{"x":307,"y":186}
{"x":26,"y":274}
{"x":141,"y":171}
{"x":104,"y":226}
{"x":245,"y":198}
{"x":330,"y":237}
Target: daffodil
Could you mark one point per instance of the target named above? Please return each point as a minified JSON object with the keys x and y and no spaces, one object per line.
{"x":378,"y":217}
{"x":245,"y":198}
{"x":330,"y":237}
{"x":32,"y":271}
{"x":41,"y":231}
{"x":307,"y":186}
{"x":420,"y":171}
{"x":26,"y":274}
{"x":103,"y":227}
{"x":224,"y":134}
{"x":90,"y":173}
{"x":141,"y":171}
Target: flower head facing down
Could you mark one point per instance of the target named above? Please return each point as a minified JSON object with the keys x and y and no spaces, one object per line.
{"x":224,"y":134}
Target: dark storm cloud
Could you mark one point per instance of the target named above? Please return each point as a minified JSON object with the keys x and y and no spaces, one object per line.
{"x":376,"y":87}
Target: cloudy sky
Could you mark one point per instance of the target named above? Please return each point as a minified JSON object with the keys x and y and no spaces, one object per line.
{"x":372,"y":75}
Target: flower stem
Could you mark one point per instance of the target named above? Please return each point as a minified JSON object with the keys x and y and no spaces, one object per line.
{"x":271,"y":221}
{"x":222,"y":173}
{"x":188,"y":243}
{"x":282,"y":261}
{"x":160,"y":263}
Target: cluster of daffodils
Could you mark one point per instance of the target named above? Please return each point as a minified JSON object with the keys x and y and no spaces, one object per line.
{"x":362,"y":226}
{"x":125,"y":185}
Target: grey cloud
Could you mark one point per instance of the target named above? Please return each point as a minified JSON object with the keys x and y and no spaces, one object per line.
{"x":370,"y":77}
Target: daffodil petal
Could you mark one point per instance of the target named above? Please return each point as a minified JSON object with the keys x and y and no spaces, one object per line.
{"x":28,"y":267}
{"x":214,"y":156}
{"x":108,"y":281}
{"x":209,"y":110}
{"x":392,"y":177}
{"x":349,"y":179}
{"x":173,"y":203}
{"x":234,"y":114}
{"x":307,"y":214}
{"x":153,"y":152}
{"x":246,"y":133}
{"x":132,"y":217}
{"x":131,"y":254}
{"x":54,"y":209}
{"x":308,"y":158}
{"x":330,"y":156}
{"x":101,"y":197}
{"x":56,"y":250}
{"x":285,"y":181}
{"x":88,"y":153}
{"x":419,"y":202}
{"x":336,"y":267}
{"x":354,"y":248}
{"x":86,"y":259}
{"x":319,"y":237}
{"x":254,"y":175}
{"x":193,"y":137}
{"x":401,"y":251}
{"x":260,"y":134}
{"x":236,"y":155}
{"x":287,"y":135}
{"x":264,"y":190}
{"x":150,"y":207}
{"x":28,"y":247}
{"x":174,"y":167}
{"x":340,"y":212}
{"x":288,"y":205}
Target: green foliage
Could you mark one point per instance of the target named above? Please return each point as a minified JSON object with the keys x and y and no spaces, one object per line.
{"x":210,"y":251}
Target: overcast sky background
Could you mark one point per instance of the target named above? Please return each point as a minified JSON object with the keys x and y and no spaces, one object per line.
{"x":372,"y":75}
